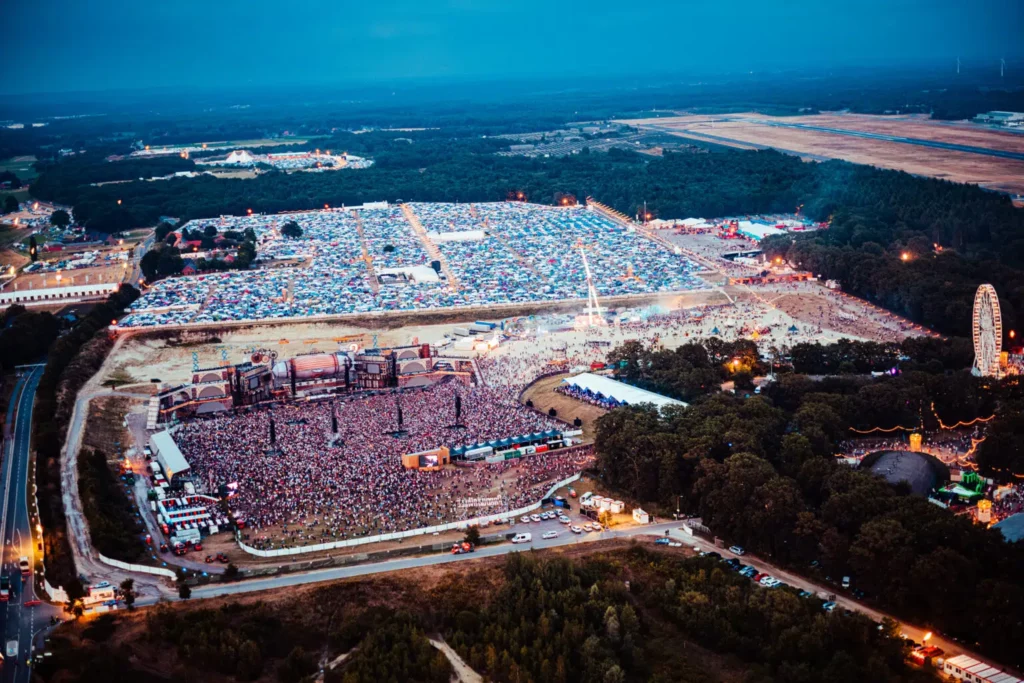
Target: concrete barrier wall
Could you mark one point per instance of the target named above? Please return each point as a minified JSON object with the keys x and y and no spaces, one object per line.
{"x":158,"y":571}
{"x":479,"y":310}
{"x":349,"y":543}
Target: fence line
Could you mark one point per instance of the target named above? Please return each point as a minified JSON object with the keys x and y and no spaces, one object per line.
{"x":158,"y":571}
{"x":405,"y":534}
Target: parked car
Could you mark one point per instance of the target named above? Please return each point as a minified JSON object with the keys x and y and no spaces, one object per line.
{"x":737,"y":550}
{"x":575,"y":529}
{"x":525,"y":519}
{"x":522,"y":538}
{"x":534,"y":518}
{"x":828,"y":606}
{"x":549,"y":534}
{"x":661,"y":541}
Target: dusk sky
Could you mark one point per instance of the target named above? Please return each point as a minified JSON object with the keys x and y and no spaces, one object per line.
{"x":70,"y":45}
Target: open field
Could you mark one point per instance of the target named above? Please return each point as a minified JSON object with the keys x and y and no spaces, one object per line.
{"x":69,"y":278}
{"x":243,"y":173}
{"x":20,"y":166}
{"x":807,"y":136}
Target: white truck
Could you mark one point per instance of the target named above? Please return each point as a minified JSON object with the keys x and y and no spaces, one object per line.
{"x":12,"y":650}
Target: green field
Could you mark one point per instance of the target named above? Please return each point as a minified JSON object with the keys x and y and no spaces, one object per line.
{"x":21,"y":167}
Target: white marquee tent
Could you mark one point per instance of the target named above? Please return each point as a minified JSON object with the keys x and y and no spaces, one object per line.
{"x":624,"y":393}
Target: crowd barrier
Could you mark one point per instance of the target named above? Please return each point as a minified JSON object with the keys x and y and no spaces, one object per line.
{"x":349,"y":543}
{"x":158,"y":571}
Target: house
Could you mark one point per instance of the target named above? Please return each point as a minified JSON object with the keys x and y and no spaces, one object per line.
{"x":189,"y":268}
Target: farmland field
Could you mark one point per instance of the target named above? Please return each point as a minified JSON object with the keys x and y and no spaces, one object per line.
{"x":960,"y":152}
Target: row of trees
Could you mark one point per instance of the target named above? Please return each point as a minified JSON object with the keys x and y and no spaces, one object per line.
{"x":760,"y":472}
{"x":24,"y":335}
{"x":71,"y":360}
{"x":690,"y":370}
{"x":114,"y":525}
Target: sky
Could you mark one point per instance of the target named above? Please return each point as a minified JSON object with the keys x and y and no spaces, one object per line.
{"x":71,"y":45}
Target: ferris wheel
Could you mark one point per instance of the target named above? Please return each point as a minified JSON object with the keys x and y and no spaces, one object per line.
{"x":988,"y":332}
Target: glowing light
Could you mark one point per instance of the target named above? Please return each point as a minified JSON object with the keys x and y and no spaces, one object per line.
{"x":1013,"y":334}
{"x":927,"y":636}
{"x":249,"y":211}
{"x":119,"y":202}
{"x":905,"y":256}
{"x":327,"y":206}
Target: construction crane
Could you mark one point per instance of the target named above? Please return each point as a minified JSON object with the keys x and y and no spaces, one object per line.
{"x":593,"y":305}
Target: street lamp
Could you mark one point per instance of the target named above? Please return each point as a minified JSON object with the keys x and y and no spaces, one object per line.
{"x":905,"y":256}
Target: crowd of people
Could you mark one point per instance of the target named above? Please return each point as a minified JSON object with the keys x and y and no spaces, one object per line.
{"x":314,"y":486}
{"x":519,"y":253}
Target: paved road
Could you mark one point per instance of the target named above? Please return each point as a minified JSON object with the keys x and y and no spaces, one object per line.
{"x":19,"y":623}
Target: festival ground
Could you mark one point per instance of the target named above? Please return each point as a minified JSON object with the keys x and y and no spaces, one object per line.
{"x":775,"y":316}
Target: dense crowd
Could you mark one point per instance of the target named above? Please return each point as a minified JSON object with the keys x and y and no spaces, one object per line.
{"x":520,"y":252}
{"x":318,"y":487}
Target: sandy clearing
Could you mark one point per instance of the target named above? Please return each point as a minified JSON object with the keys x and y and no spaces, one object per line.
{"x":744,"y":130}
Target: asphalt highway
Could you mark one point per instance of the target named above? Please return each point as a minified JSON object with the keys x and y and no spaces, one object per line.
{"x":19,"y":623}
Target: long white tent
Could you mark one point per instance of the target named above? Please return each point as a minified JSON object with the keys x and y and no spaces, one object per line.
{"x":168,"y":455}
{"x":621,"y":392}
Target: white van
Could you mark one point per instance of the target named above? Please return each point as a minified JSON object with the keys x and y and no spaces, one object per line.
{"x":522,"y":538}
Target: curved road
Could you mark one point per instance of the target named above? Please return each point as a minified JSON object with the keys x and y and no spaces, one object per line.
{"x":19,"y":623}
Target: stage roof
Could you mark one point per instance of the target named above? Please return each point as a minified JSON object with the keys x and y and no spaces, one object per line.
{"x":624,"y":393}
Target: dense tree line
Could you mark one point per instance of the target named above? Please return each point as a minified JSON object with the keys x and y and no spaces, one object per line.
{"x":689,"y":370}
{"x":25,"y":335}
{"x":114,"y":526}
{"x":760,"y":472}
{"x":394,"y":651}
{"x":71,"y":360}
{"x":610,"y":617}
{"x":62,"y":181}
{"x":913,"y":353}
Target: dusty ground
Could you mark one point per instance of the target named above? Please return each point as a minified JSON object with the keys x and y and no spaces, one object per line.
{"x":169,"y":355}
{"x":104,"y":428}
{"x":244,"y":173}
{"x":68,"y":278}
{"x":544,"y":396}
{"x":745,"y":130}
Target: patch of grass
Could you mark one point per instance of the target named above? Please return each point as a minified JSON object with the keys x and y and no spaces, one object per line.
{"x":118,"y":378}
